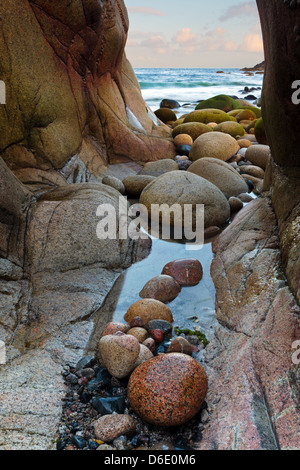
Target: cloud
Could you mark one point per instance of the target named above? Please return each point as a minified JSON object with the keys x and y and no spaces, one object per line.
{"x":146,"y":11}
{"x":185,"y":35}
{"x":240,"y":10}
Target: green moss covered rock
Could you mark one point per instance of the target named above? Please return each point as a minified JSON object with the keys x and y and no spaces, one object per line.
{"x":165,"y":115}
{"x":260,"y":133}
{"x":232,"y":128}
{"x":207,"y":115}
{"x":193,"y":129}
{"x":222,"y":102}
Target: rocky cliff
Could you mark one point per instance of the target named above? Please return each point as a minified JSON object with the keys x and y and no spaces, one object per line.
{"x":71,"y":91}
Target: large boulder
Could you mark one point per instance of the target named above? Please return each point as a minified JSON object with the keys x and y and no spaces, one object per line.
{"x":214,"y":145}
{"x":222,"y":102}
{"x":184,"y":188}
{"x":193,"y":129}
{"x":232,"y":128}
{"x":72,"y":92}
{"x":168,"y":390}
{"x":221,"y":174}
{"x":207,"y":116}
{"x":158,"y":168}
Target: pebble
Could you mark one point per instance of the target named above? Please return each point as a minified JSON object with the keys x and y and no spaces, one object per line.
{"x":145,"y":355}
{"x":163,"y":288}
{"x":119,"y":354}
{"x":110,"y":427}
{"x":187,"y":272}
{"x":108,"y":405}
{"x":137,"y":322}
{"x":235,"y":204}
{"x":113,"y":327}
{"x":181,"y":345}
{"x":85,"y":362}
{"x":150,"y":344}
{"x":162,"y":325}
{"x":244,"y":197}
{"x":139,"y":333}
{"x":211,"y":232}
{"x":157,"y":335}
{"x":183,"y":139}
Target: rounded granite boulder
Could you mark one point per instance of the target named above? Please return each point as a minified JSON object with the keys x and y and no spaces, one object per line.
{"x":165,"y":115}
{"x":135,"y":184}
{"x":187,"y":272}
{"x":168,"y":390}
{"x":214,"y":145}
{"x":163,"y":288}
{"x":187,"y":189}
{"x":221,"y":174}
{"x":223,"y":102}
{"x":207,"y":116}
{"x":158,"y":168}
{"x":149,"y":309}
{"x":193,"y":129}
{"x":119,"y":354}
{"x":232,"y":128}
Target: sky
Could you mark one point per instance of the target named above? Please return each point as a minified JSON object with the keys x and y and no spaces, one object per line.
{"x":194,"y":33}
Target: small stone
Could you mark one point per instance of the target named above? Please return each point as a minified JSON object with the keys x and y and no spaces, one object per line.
{"x":109,"y":427}
{"x":72,"y":379}
{"x":108,"y":405}
{"x":150,"y":344}
{"x":137,"y":322}
{"x":139,"y":333}
{"x":181,"y":345}
{"x":79,"y":442}
{"x":204,"y":416}
{"x":163,"y":445}
{"x":105,"y":447}
{"x":101,"y":380}
{"x":162,"y":325}
{"x":157,"y":335}
{"x":244,"y":197}
{"x":187,"y":272}
{"x":120,"y":443}
{"x":211,"y":232}
{"x":83,"y":381}
{"x":145,"y":355}
{"x":115,"y":183}
{"x":244,"y":143}
{"x":183,"y":139}
{"x":183,"y":150}
{"x":88,"y":373}
{"x":119,"y":354}
{"x":113,"y":327}
{"x":184,"y":165}
{"x":85,"y":362}
{"x":162,"y":288}
{"x":235,"y":204}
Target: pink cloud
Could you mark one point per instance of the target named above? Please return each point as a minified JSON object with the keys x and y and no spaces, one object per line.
{"x":185,"y":35}
{"x":146,"y":11}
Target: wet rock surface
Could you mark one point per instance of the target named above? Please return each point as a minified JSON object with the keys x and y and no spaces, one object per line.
{"x":258,"y":322}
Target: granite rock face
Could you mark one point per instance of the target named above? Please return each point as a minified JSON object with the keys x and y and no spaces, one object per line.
{"x":72,"y":92}
{"x":253,"y":390}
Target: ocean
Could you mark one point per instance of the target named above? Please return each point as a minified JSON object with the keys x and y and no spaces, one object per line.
{"x":188,"y":86}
